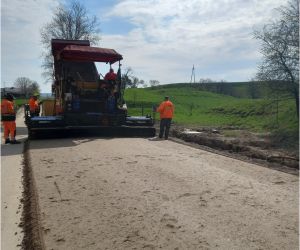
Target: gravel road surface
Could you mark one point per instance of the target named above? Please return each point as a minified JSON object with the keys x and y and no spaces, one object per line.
{"x":132,"y":193}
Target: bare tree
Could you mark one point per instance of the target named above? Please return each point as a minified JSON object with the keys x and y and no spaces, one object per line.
{"x":142,"y":83}
{"x":205,"y":80}
{"x":130,"y":80}
{"x":71,"y":21}
{"x":26,"y":86}
{"x":34,"y":88}
{"x":153,"y":83}
{"x":126,"y":77}
{"x":135,"y":82}
{"x":280,"y":50}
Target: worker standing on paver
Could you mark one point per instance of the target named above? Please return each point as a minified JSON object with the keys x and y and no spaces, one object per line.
{"x":111,"y":77}
{"x":166,"y":110}
{"x":34,"y":105}
{"x":8,"y":118}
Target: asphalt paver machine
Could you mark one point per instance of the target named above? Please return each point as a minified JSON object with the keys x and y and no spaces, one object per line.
{"x":83,"y":99}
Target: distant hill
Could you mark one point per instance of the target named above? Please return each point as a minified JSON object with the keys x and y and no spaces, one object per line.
{"x":251,"y":89}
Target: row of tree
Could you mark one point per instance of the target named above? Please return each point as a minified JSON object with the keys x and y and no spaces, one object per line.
{"x":132,"y":81}
{"x":28,"y":87}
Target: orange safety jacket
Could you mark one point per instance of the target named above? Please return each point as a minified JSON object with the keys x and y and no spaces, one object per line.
{"x":7,"y":107}
{"x":33,"y":105}
{"x":166,"y":109}
{"x":8,"y":113}
{"x":110,"y":76}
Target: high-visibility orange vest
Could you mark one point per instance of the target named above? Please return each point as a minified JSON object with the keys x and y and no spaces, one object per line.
{"x":33,"y":105}
{"x":110,"y":76}
{"x":166,"y":109}
{"x":7,"y":107}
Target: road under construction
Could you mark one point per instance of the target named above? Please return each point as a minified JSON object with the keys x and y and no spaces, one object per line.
{"x":126,"y":193}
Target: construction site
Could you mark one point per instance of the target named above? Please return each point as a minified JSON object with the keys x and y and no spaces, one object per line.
{"x":132,"y":193}
{"x":103,"y":183}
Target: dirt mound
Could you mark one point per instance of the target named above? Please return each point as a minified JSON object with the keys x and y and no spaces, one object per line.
{"x":246,"y":144}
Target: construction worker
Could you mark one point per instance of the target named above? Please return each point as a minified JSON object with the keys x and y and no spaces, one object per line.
{"x":8,"y":117}
{"x":166,"y":110}
{"x":111,"y":103}
{"x":111,"y":77}
{"x":34,"y":105}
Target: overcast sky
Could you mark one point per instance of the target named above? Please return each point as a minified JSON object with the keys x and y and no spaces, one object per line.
{"x":159,"y":39}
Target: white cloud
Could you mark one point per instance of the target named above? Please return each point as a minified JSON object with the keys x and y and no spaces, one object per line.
{"x":21,"y":48}
{"x":172,"y":35}
{"x":168,"y":37}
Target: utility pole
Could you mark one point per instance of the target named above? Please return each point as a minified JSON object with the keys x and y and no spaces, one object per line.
{"x":193,"y":75}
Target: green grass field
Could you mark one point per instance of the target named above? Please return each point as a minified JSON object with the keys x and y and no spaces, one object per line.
{"x":19,"y":102}
{"x":195,"y":107}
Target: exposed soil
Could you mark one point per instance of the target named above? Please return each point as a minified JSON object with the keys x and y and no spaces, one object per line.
{"x":132,"y":193}
{"x":30,"y":217}
{"x":244,"y":145}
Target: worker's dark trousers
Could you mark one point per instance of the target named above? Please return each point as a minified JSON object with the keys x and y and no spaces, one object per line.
{"x":165,"y":124}
{"x":34,"y":113}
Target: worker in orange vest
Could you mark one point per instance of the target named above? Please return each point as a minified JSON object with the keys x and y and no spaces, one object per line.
{"x":111,"y":77}
{"x":8,"y":117}
{"x":34,"y":105}
{"x":166,"y":110}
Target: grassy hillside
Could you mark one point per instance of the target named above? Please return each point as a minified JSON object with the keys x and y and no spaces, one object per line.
{"x":251,"y":89}
{"x":198,"y":107}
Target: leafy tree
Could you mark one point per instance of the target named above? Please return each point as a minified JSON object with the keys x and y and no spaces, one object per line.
{"x":27,"y":86}
{"x":280,"y":50}
{"x":71,"y":21}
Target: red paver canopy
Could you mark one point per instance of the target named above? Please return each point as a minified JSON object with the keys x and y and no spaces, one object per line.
{"x":88,"y":54}
{"x":58,"y":44}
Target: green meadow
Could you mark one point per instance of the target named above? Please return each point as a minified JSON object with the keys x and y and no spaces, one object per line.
{"x":20,"y":101}
{"x":196,"y":107}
